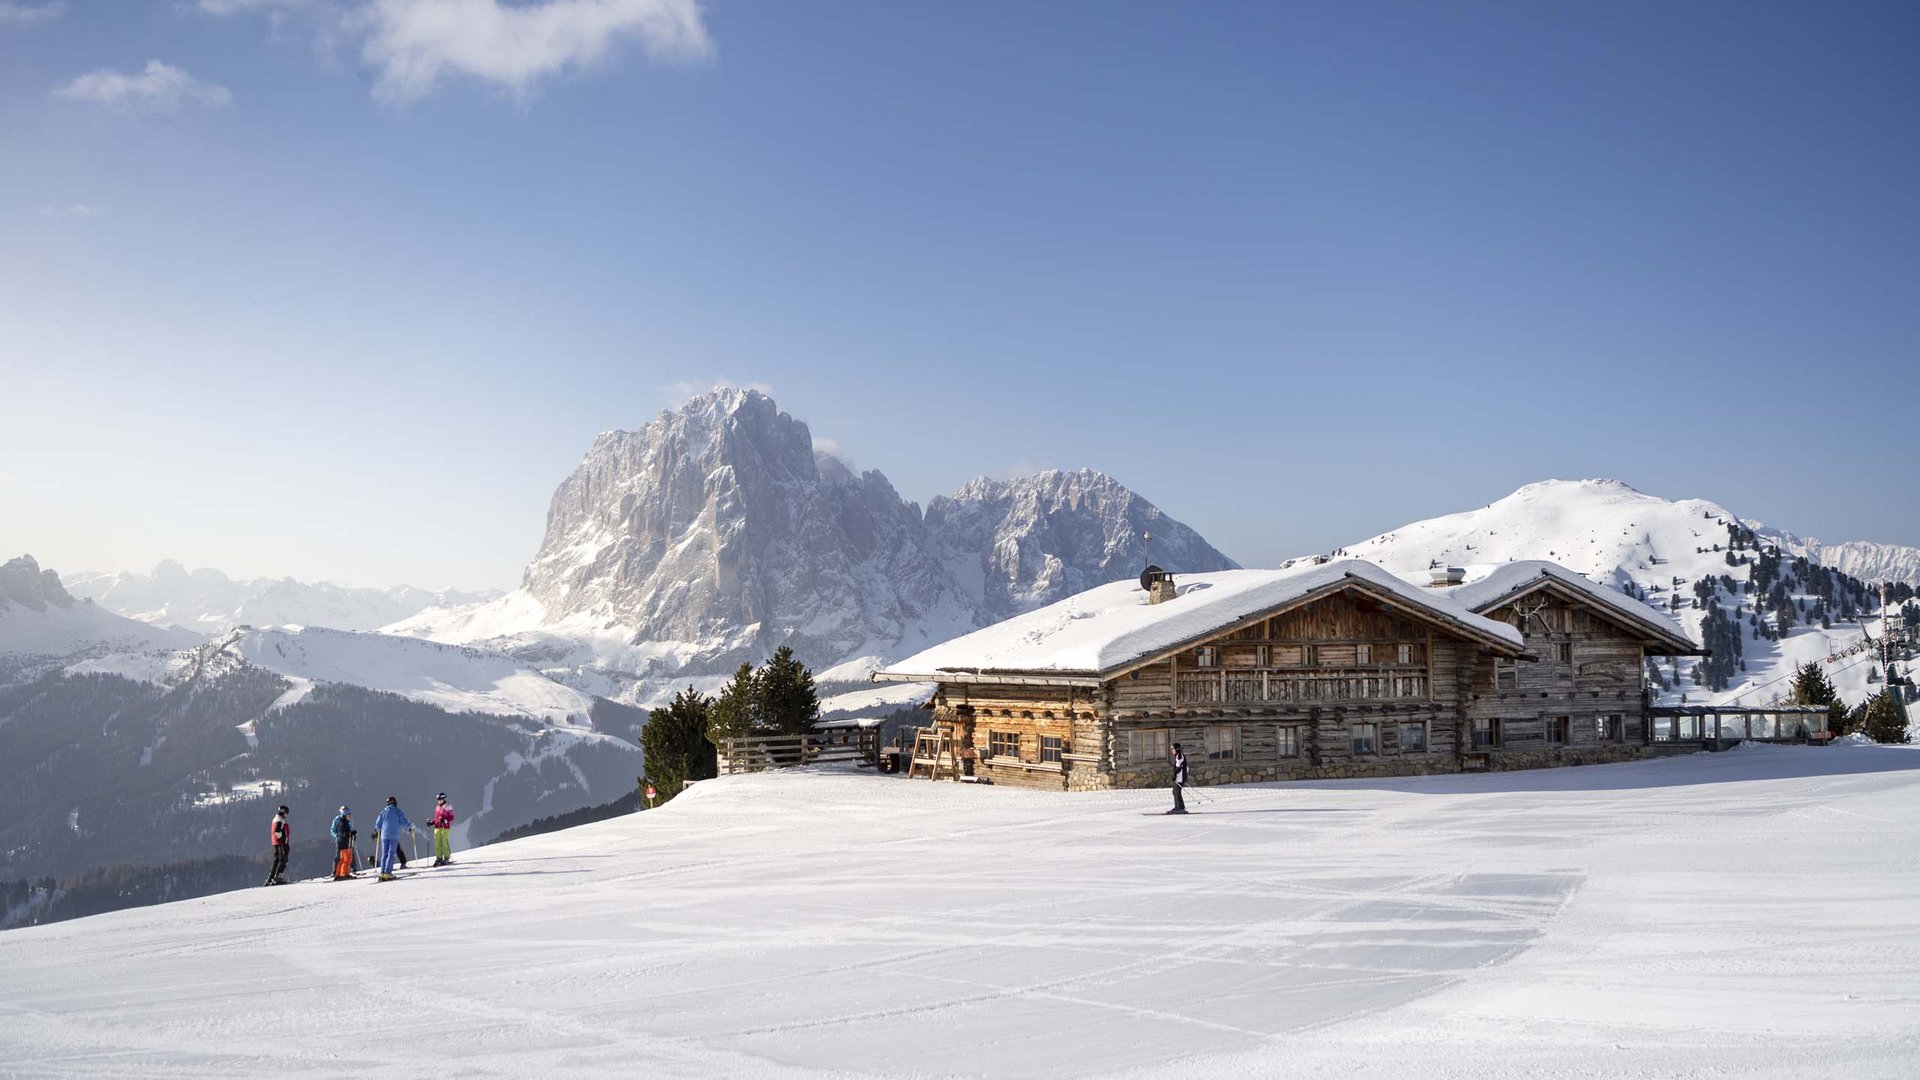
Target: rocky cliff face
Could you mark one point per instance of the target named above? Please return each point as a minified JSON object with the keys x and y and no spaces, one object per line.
{"x":1023,"y":543}
{"x":717,"y":533}
{"x":24,"y":585}
{"x":719,"y":526}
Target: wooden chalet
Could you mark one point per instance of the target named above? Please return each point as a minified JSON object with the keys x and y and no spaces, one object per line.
{"x":1321,"y":669}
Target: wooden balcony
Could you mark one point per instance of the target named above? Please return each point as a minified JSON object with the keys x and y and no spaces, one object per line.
{"x":1246,"y":686}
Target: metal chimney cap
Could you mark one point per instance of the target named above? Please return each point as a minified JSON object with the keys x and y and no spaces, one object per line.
{"x":1441,"y":577}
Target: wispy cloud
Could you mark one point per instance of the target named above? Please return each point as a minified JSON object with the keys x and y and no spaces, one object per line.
{"x":158,"y":88}
{"x":70,"y":210}
{"x":18,"y":14}
{"x":415,"y":45}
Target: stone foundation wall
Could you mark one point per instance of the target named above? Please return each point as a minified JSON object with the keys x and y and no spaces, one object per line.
{"x":1606,"y":754}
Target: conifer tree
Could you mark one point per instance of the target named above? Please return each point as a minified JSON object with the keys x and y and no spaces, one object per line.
{"x":788,"y":704}
{"x":675,"y":746}
{"x":1882,"y":719}
{"x":1812,"y":687}
{"x":736,"y":712}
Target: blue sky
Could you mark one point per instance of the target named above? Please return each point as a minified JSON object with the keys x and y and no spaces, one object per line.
{"x":344,"y":289}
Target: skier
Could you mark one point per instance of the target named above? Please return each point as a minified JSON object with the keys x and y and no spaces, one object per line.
{"x":442,"y":831}
{"x":343,"y":836}
{"x":388,"y":827}
{"x":282,"y":844}
{"x":1179,"y":779}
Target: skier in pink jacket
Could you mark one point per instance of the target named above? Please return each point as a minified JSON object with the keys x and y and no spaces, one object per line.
{"x":442,"y":831}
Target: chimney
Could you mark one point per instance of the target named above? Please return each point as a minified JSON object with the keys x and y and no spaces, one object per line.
{"x":1159,"y":585}
{"x":1445,"y":577}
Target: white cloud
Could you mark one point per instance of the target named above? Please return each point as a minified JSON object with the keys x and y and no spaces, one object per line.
{"x":17,"y":14}
{"x":159,"y":88}
{"x":70,"y":210}
{"x":413,"y":45}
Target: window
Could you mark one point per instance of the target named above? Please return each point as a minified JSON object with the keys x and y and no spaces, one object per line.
{"x":1363,"y":654}
{"x":1051,"y":747}
{"x":1262,"y":656}
{"x":1003,"y":744}
{"x":1366,"y":738}
{"x":1286,"y":741}
{"x":1557,"y":729}
{"x":1403,"y":654}
{"x":1223,"y":742}
{"x":1563,"y":652}
{"x":1413,"y":737}
{"x":1206,"y":656}
{"x":1610,"y":729}
{"x":1309,"y":655}
{"x":1486,"y":734}
{"x":1506,"y":675}
{"x":1150,"y":745}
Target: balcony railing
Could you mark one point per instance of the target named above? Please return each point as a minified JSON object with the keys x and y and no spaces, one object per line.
{"x":1235,"y":686}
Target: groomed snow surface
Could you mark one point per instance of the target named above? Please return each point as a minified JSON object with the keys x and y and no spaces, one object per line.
{"x":1750,"y":913}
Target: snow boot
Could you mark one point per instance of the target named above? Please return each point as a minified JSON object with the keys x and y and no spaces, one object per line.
{"x":388,"y":877}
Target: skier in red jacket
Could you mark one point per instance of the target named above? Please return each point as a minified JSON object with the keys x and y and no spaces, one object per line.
{"x":282,"y":838}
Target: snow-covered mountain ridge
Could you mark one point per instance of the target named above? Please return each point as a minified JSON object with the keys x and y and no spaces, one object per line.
{"x":1759,"y":607}
{"x":42,"y":625}
{"x":718,"y":533}
{"x":209,"y":602}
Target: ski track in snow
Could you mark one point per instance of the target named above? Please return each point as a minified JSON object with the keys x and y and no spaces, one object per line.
{"x":1741,"y":914}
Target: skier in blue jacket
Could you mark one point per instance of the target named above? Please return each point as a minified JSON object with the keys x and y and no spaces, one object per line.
{"x":388,"y":827}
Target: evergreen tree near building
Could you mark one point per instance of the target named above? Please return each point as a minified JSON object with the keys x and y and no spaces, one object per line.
{"x":788,"y":703}
{"x":736,"y":712}
{"x":1883,"y":720}
{"x":675,"y":743}
{"x":1812,"y":687}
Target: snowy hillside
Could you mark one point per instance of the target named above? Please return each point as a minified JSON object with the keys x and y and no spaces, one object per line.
{"x":145,"y":757}
{"x":1760,"y":613}
{"x":1726,"y":915}
{"x":448,"y":677}
{"x":210,"y":602}
{"x":719,"y":533}
{"x":42,"y":626}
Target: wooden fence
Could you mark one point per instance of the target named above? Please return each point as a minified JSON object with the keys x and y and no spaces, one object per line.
{"x":754,"y":753}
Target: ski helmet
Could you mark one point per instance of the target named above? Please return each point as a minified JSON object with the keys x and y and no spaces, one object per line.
{"x":391,"y":801}
{"x":443,"y":796}
{"x":344,"y":810}
{"x":283,"y":809}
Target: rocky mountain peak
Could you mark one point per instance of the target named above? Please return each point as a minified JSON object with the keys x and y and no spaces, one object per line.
{"x":23,"y":583}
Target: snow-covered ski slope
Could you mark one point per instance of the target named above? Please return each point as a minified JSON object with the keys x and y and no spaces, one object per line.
{"x":1754,"y":913}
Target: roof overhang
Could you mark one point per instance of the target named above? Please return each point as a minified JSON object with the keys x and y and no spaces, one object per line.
{"x":993,"y":675}
{"x":1499,"y":646}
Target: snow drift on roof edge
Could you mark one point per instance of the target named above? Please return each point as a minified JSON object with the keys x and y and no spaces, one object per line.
{"x":1111,"y":625}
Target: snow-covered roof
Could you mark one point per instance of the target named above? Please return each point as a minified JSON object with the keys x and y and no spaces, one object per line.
{"x":1504,"y":581}
{"x":1108,"y":628}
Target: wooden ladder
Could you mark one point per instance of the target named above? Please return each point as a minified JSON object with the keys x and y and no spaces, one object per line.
{"x":933,"y":748}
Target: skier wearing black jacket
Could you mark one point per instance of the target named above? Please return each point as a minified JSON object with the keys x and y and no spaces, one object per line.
{"x":1179,"y":779}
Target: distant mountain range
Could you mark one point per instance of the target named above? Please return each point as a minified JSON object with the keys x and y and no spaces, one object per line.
{"x":209,"y":602}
